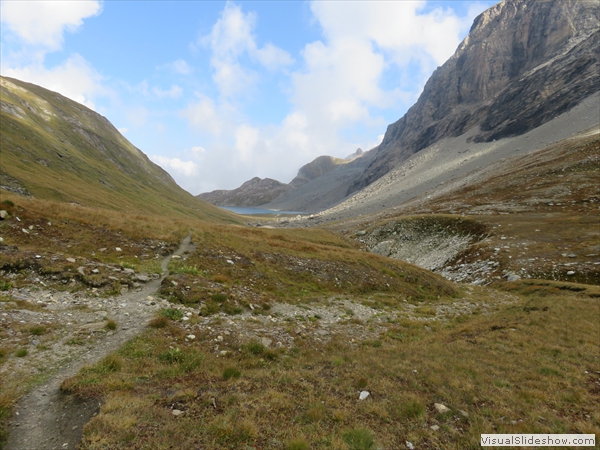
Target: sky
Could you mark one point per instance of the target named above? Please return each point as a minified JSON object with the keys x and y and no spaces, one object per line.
{"x":217,"y":93}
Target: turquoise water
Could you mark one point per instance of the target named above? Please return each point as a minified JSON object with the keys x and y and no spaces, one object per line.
{"x":251,"y":211}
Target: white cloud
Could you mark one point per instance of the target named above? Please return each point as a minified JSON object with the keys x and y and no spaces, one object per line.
{"x":186,"y":168}
{"x":246,"y":138}
{"x":42,"y":23}
{"x":137,"y":116}
{"x":198,"y":150}
{"x":181,"y":67}
{"x":174,"y":92}
{"x":230,"y":38}
{"x":203,"y":115}
{"x":75,"y":78}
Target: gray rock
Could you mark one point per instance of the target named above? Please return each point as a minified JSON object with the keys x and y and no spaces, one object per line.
{"x":363,"y":395}
{"x":3,"y":214}
{"x":143,"y":278}
{"x":434,"y":427}
{"x":512,"y":277}
{"x":441,"y":408}
{"x":71,"y":260}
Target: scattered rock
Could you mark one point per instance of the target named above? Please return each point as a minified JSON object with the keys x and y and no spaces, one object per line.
{"x":570,"y":272}
{"x":363,"y":395}
{"x":512,"y":277}
{"x":434,"y":427}
{"x":441,"y":408}
{"x":71,"y":260}
{"x":191,"y":337}
{"x":118,"y":249}
{"x":177,"y":412}
{"x":95,"y":271}
{"x":3,"y":214}
{"x":410,"y":445}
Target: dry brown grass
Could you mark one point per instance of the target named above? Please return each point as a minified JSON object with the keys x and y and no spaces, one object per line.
{"x":532,"y":367}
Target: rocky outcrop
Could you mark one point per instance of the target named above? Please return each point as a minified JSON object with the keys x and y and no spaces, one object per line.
{"x":523,"y":63}
{"x":253,"y":192}
{"x":316,"y":168}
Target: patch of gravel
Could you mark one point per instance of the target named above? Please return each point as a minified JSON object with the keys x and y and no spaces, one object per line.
{"x":46,"y":419}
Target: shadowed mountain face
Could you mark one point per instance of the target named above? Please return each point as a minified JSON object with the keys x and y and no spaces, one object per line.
{"x":54,"y":148}
{"x":253,"y":192}
{"x":522,"y":64}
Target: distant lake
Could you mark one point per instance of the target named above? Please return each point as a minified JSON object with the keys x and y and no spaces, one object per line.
{"x":252,"y":211}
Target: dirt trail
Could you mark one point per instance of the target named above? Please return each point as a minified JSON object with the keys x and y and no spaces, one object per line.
{"x":45,"y":418}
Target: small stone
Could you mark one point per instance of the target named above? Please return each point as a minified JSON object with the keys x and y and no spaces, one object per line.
{"x":441,"y":408}
{"x":266,"y":342}
{"x":143,"y":278}
{"x":223,"y":352}
{"x":410,"y":445}
{"x":174,"y":283}
{"x":175,"y":257}
{"x":230,"y":261}
{"x":38,"y":256}
{"x":363,"y":395}
{"x":71,"y":260}
{"x":3,"y":214}
{"x":463,"y":413}
{"x":191,"y":337}
{"x":95,"y":271}
{"x":177,"y":412}
{"x":31,"y":227}
{"x":220,"y":338}
{"x":103,"y":249}
{"x":570,"y":272}
{"x":118,"y":249}
{"x":24,"y":231}
{"x":434,"y":427}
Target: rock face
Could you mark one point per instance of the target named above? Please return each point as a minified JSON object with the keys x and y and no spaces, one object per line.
{"x":253,"y":192}
{"x":523,"y":63}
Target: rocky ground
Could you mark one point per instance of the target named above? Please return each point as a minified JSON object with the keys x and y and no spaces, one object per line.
{"x":76,"y":329}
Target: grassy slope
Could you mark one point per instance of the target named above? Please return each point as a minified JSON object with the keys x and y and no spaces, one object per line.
{"x":530,"y":367}
{"x":60,"y":150}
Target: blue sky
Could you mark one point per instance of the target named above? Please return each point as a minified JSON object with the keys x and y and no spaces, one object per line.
{"x":219,"y":92}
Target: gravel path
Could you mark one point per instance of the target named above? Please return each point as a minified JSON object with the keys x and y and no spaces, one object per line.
{"x":46,"y":419}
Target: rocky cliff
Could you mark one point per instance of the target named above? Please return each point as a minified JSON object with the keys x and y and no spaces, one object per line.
{"x":523,"y":63}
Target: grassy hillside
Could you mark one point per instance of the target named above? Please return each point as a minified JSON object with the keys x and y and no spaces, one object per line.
{"x":56,"y":149}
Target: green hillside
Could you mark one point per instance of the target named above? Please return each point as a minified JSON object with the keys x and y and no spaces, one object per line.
{"x":56,"y":149}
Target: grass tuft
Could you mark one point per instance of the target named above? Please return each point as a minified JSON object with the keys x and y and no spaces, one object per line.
{"x":359,"y":439}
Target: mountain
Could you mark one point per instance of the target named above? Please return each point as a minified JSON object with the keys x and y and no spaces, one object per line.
{"x":522,"y":64}
{"x":253,"y":192}
{"x":319,"y":176}
{"x":54,"y":148}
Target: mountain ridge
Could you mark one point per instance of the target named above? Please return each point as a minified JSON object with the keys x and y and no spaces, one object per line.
{"x":56,"y":149}
{"x":493,"y":79}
